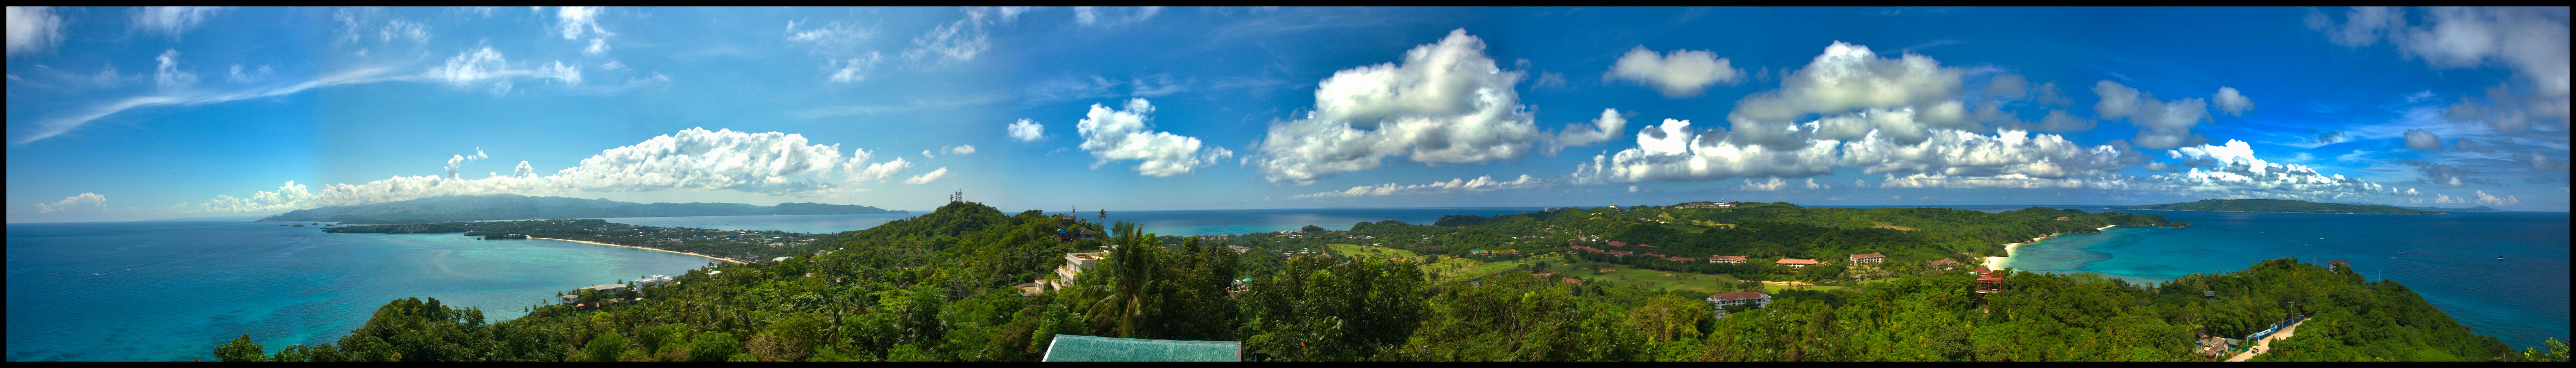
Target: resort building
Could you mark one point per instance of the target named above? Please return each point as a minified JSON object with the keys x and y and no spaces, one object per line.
{"x":2336,"y":265}
{"x":1726,"y":259}
{"x":1074,"y":263}
{"x":1793,"y":262}
{"x":1944,"y":263}
{"x":1679,"y":259}
{"x":1756,"y":298}
{"x":1867,"y":258}
{"x":654,"y":280}
{"x":1616,"y":243}
{"x":1238,"y":249}
{"x":2062,"y":219}
{"x":1621,"y":253}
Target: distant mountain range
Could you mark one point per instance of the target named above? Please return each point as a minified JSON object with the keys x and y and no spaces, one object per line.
{"x":517,"y":207}
{"x":2281,"y":205}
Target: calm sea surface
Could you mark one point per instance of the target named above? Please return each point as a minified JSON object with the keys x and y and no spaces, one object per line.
{"x":287,"y":285}
{"x":171,"y":291}
{"x":2450,"y":259}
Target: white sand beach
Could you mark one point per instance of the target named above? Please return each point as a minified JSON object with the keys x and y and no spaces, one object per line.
{"x":1998,"y":263}
{"x":734,"y":261}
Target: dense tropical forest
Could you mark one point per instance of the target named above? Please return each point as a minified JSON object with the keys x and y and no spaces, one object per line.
{"x":517,"y":207}
{"x":2281,"y":205}
{"x":945,"y":286}
{"x":735,"y":244}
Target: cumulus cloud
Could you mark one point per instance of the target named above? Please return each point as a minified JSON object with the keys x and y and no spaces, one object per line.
{"x":2230,"y":101}
{"x":1673,"y":151}
{"x":2233,"y":169}
{"x":1115,"y":135}
{"x":2161,"y":124}
{"x":172,"y":20}
{"x":1608,"y":126}
{"x":1026,"y":130}
{"x":962,"y":149}
{"x":1774,"y":184}
{"x":1677,"y":74}
{"x":168,"y":76}
{"x":33,"y":28}
{"x":2423,"y":140}
{"x":1478,"y":185}
{"x":84,"y":201}
{"x":769,"y":163}
{"x":926,"y":178}
{"x":597,"y":46}
{"x":1849,"y":77}
{"x":2018,"y":181}
{"x":1445,"y":102}
{"x":2482,"y":198}
{"x":574,"y":21}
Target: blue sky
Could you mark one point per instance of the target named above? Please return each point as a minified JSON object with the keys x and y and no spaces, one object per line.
{"x":140,"y":113}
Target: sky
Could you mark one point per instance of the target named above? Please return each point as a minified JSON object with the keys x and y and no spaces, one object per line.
{"x":154,"y":113}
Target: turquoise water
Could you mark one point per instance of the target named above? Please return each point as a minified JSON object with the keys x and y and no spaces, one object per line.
{"x":2449,"y":259}
{"x":817,"y":224}
{"x":171,"y":291}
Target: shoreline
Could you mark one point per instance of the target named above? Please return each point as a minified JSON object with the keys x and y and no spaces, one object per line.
{"x":735,"y":261}
{"x":1999,"y":263}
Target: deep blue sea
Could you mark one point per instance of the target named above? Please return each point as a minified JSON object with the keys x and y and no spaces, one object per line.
{"x":2450,"y":259}
{"x":171,"y":291}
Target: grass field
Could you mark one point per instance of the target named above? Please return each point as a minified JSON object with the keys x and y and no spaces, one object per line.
{"x":1449,"y":267}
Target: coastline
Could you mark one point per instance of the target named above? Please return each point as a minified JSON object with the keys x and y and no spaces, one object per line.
{"x":734,"y":261}
{"x":1999,"y":263}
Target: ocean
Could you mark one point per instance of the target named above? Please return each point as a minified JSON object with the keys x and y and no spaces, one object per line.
{"x":2452,"y":260}
{"x":171,"y":291}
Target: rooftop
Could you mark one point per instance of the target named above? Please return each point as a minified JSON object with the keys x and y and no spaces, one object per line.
{"x":1737,"y":295}
{"x":1796,"y":261}
{"x":1868,"y":255}
{"x":1079,"y":348}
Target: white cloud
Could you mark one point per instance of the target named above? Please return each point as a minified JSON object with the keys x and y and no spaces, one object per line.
{"x":404,"y":29}
{"x":926,"y":178}
{"x":1027,"y":130}
{"x":172,"y":20}
{"x":1677,"y":74}
{"x":855,"y":69}
{"x":1774,"y":184}
{"x":1549,"y":80}
{"x":2233,"y":169}
{"x":573,"y":21}
{"x":597,"y":46}
{"x":1478,"y":185}
{"x":1445,"y":102}
{"x":1112,"y":135}
{"x":962,"y":149}
{"x":476,"y":67}
{"x":237,"y":76}
{"x":33,"y":28}
{"x":168,"y":76}
{"x":1673,"y":151}
{"x":2483,"y":198}
{"x":927,"y":154}
{"x":2531,"y":42}
{"x":2019,"y":181}
{"x":831,"y":36}
{"x":2230,"y":101}
{"x":2423,"y":140}
{"x":1608,"y":126}
{"x":951,"y":43}
{"x":57,"y":125}
{"x":1849,"y":77}
{"x":107,"y":77}
{"x":2161,"y":124}
{"x":84,"y":201}
{"x":1093,"y":16}
{"x":860,"y":173}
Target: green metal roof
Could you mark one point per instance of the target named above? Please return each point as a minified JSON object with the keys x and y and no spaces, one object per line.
{"x":1078,"y":348}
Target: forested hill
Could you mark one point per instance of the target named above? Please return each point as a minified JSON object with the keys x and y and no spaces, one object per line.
{"x":2281,"y":205}
{"x":940,"y":287}
{"x":515,"y":207}
{"x":1764,"y":230}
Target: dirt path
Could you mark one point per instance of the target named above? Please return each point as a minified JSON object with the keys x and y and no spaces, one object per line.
{"x":2266,"y":344}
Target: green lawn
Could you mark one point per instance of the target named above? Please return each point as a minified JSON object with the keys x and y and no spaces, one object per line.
{"x":1653,"y":279}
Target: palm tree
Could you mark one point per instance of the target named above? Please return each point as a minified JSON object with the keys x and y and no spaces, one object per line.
{"x":1119,"y":300}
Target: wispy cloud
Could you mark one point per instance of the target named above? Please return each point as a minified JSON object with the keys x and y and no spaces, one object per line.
{"x":48,"y":128}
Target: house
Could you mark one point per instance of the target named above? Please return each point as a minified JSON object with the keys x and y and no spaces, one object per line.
{"x":1793,"y":262}
{"x":1944,"y":263}
{"x":1653,"y":255}
{"x":1616,"y":243}
{"x":1575,"y":281}
{"x":1074,"y":263}
{"x":1867,"y":258}
{"x":1725,"y":259}
{"x":1238,"y":249}
{"x":1031,"y":288}
{"x":654,"y":280}
{"x":1621,"y":253}
{"x":2061,"y":219}
{"x":1756,"y":298}
{"x":1079,"y":348}
{"x":1726,"y":205}
{"x":2212,"y":294}
{"x":1679,"y":259}
{"x":2337,"y":265}
{"x":1989,"y":281}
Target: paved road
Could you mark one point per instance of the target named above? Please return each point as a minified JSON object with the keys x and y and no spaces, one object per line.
{"x":2266,"y":344}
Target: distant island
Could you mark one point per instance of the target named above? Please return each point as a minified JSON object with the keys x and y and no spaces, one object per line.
{"x":2281,"y":205}
{"x":516,"y":207}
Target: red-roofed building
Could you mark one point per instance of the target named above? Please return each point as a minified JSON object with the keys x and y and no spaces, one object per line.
{"x":1575,"y":281}
{"x":1653,"y":255}
{"x":1793,"y":262}
{"x":1616,"y":243}
{"x":1680,"y":259}
{"x":1944,"y":264}
{"x":2062,"y":219}
{"x":1725,"y":259}
{"x":2336,"y":265}
{"x":1867,"y":258}
{"x":1621,"y":253}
